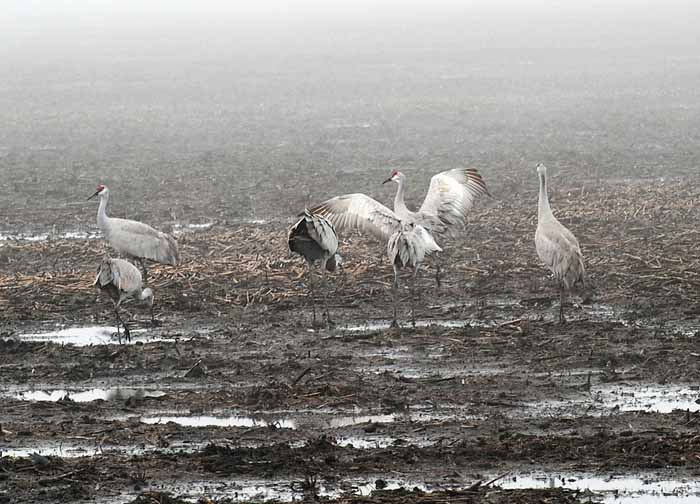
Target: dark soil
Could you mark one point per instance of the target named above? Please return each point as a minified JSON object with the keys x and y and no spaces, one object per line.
{"x":504,"y":391}
{"x":464,"y":399}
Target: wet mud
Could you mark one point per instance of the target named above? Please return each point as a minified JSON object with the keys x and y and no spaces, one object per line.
{"x":234,"y":396}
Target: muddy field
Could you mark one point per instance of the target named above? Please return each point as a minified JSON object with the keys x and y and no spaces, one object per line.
{"x":234,"y":397}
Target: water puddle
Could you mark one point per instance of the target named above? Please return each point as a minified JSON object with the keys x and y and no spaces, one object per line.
{"x":299,"y":421}
{"x":608,"y":313}
{"x":383,"y":325}
{"x":259,"y":490}
{"x":179,"y":228}
{"x":71,"y":450}
{"x":637,"y":489}
{"x":40,"y":237}
{"x":409,"y":363}
{"x":634,"y":488}
{"x":650,"y":398}
{"x":501,"y":310}
{"x":65,"y":451}
{"x":482,"y":303}
{"x":339,"y":422}
{"x":366,"y":443}
{"x":599,"y":311}
{"x":591,"y":312}
{"x":380,"y":441}
{"x":218,"y":421}
{"x":98,"y":394}
{"x":352,"y":420}
{"x":84,"y":336}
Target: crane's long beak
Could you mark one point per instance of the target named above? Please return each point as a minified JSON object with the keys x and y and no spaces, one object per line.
{"x":387,"y":180}
{"x":96,"y":193}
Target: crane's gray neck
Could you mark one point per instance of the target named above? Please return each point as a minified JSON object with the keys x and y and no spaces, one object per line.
{"x":102,"y":219}
{"x":400,"y":208}
{"x":543,"y":209}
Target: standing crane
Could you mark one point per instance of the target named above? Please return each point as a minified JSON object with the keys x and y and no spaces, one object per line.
{"x":557,"y":247}
{"x":313,"y":237}
{"x":407,"y":242}
{"x":135,"y":239}
{"x":446,"y":205}
{"x":407,"y":248}
{"x":122,"y":280}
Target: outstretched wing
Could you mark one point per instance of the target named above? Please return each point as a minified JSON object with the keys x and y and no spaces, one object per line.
{"x":359,"y":211}
{"x":452,"y":194}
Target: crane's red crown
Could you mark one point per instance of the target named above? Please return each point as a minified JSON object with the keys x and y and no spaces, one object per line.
{"x":100,"y":188}
{"x":394,"y":173}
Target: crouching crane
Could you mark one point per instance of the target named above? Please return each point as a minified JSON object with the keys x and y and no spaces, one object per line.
{"x":135,"y":239}
{"x":121,"y":280}
{"x":313,"y":237}
{"x":557,"y":247}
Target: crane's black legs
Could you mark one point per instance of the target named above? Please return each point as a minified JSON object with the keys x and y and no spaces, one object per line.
{"x":413,"y":308}
{"x":325,"y":307}
{"x":437,"y":269}
{"x":562,"y":320}
{"x":119,"y":320}
{"x":127,"y":334}
{"x":413,"y":293}
{"x":145,"y":272}
{"x":311,"y":291}
{"x":395,"y":292}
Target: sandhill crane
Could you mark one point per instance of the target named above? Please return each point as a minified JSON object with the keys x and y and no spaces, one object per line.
{"x":122,"y":280}
{"x":407,"y":248}
{"x":313,"y":237}
{"x":556,"y":246}
{"x":135,"y":239}
{"x":407,"y":242}
{"x":446,"y":205}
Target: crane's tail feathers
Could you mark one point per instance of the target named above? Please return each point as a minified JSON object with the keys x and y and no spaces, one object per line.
{"x":173,"y":253}
{"x":104,"y":273}
{"x":575,"y":274}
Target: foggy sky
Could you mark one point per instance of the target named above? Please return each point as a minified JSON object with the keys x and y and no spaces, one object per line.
{"x":37,"y":31}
